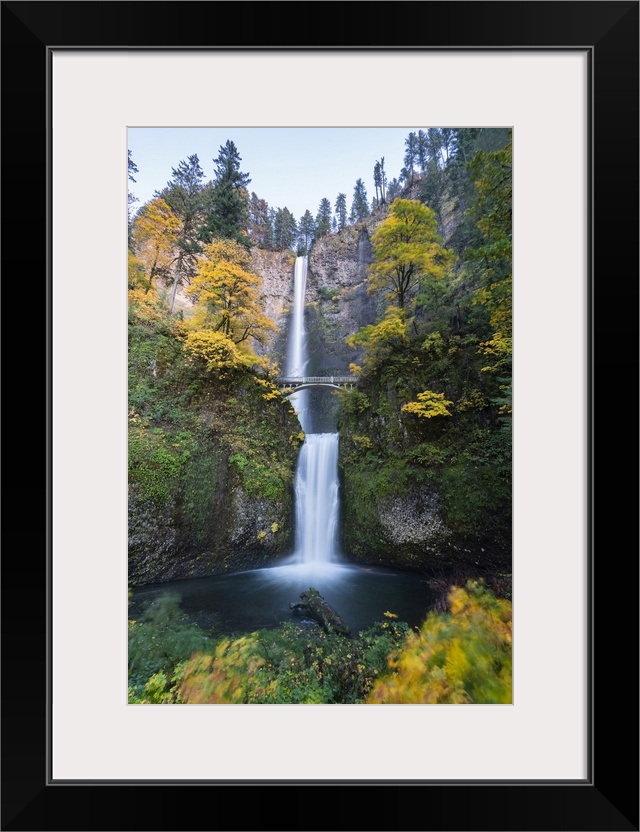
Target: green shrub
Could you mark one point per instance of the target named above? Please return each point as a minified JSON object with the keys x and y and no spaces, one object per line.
{"x":155,"y":460}
{"x":161,"y":639}
{"x":292,"y":665}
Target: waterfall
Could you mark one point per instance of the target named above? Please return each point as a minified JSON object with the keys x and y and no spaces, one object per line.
{"x":296,"y":358}
{"x":316,"y":486}
{"x":317,"y":499}
{"x":297,"y":347}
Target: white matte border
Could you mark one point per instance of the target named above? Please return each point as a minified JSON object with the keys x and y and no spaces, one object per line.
{"x":96,"y":735}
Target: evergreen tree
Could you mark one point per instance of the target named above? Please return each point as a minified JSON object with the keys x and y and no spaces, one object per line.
{"x":440,"y":144}
{"x":341,"y":210}
{"x":133,"y":168}
{"x":323,"y":218}
{"x":422,"y":150}
{"x":272,"y":228}
{"x":383,"y":183}
{"x":184,"y":191}
{"x":285,"y":229}
{"x":394,"y":190}
{"x":465,"y":143}
{"x":183,"y":195}
{"x":360,"y":204}
{"x":380,"y":182}
{"x":306,"y":230}
{"x":435,"y":153}
{"x":131,"y":198}
{"x":492,"y":259}
{"x":410,"y":155}
{"x":260,"y":225}
{"x":228,"y":209}
{"x":447,"y":136}
{"x":376,"y":180}
{"x":433,"y":189}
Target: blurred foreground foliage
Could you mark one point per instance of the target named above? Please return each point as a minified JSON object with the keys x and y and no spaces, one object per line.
{"x":461,"y":656}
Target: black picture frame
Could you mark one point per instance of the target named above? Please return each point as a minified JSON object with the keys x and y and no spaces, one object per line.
{"x":608,"y":799}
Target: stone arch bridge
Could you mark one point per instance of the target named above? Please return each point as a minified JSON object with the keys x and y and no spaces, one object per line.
{"x":290,"y":384}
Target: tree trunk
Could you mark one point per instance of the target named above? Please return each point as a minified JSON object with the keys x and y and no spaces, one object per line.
{"x":174,"y":289}
{"x":313,"y":605}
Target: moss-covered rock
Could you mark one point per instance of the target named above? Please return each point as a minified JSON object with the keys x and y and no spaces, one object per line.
{"x":420,"y":493}
{"x":211,"y":466}
{"x":207,"y":521}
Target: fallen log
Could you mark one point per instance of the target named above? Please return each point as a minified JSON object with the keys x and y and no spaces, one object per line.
{"x":313,"y":605}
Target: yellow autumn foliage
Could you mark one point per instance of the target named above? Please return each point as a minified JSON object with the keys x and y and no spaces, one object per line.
{"x":142,"y":296}
{"x":227,"y":294}
{"x":227,"y":318}
{"x":392,"y":329}
{"x":429,"y":404}
{"x":408,"y":252}
{"x":216,"y":350}
{"x":461,"y":657}
{"x":271,"y":390}
{"x":224,"y":678}
{"x":155,"y":239}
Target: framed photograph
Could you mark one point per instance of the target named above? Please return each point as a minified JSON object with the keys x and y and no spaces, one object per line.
{"x":564,"y":78}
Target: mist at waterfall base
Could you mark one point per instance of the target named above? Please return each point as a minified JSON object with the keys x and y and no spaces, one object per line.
{"x":260,"y":599}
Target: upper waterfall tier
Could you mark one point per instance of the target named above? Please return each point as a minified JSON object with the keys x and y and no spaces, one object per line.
{"x":296,"y":354}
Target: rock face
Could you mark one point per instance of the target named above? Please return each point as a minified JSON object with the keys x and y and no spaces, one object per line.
{"x":411,"y":519}
{"x":258,"y":525}
{"x":407,"y":530}
{"x":337,"y":300}
{"x":152,"y":539}
{"x":230,"y":532}
{"x":337,"y":303}
{"x":403,"y":529}
{"x":276,"y":293}
{"x":218,"y":497}
{"x":276,"y":270}
{"x":336,"y":306}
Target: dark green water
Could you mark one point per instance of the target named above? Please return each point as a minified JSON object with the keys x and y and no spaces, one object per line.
{"x":260,"y":599}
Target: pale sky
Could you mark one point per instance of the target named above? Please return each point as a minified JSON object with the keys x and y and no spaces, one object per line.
{"x":289,"y":166}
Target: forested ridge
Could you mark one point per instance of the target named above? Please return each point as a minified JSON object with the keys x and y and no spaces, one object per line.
{"x":425,"y":436}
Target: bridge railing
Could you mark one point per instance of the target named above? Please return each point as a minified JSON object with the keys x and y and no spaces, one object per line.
{"x":317,"y":379}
